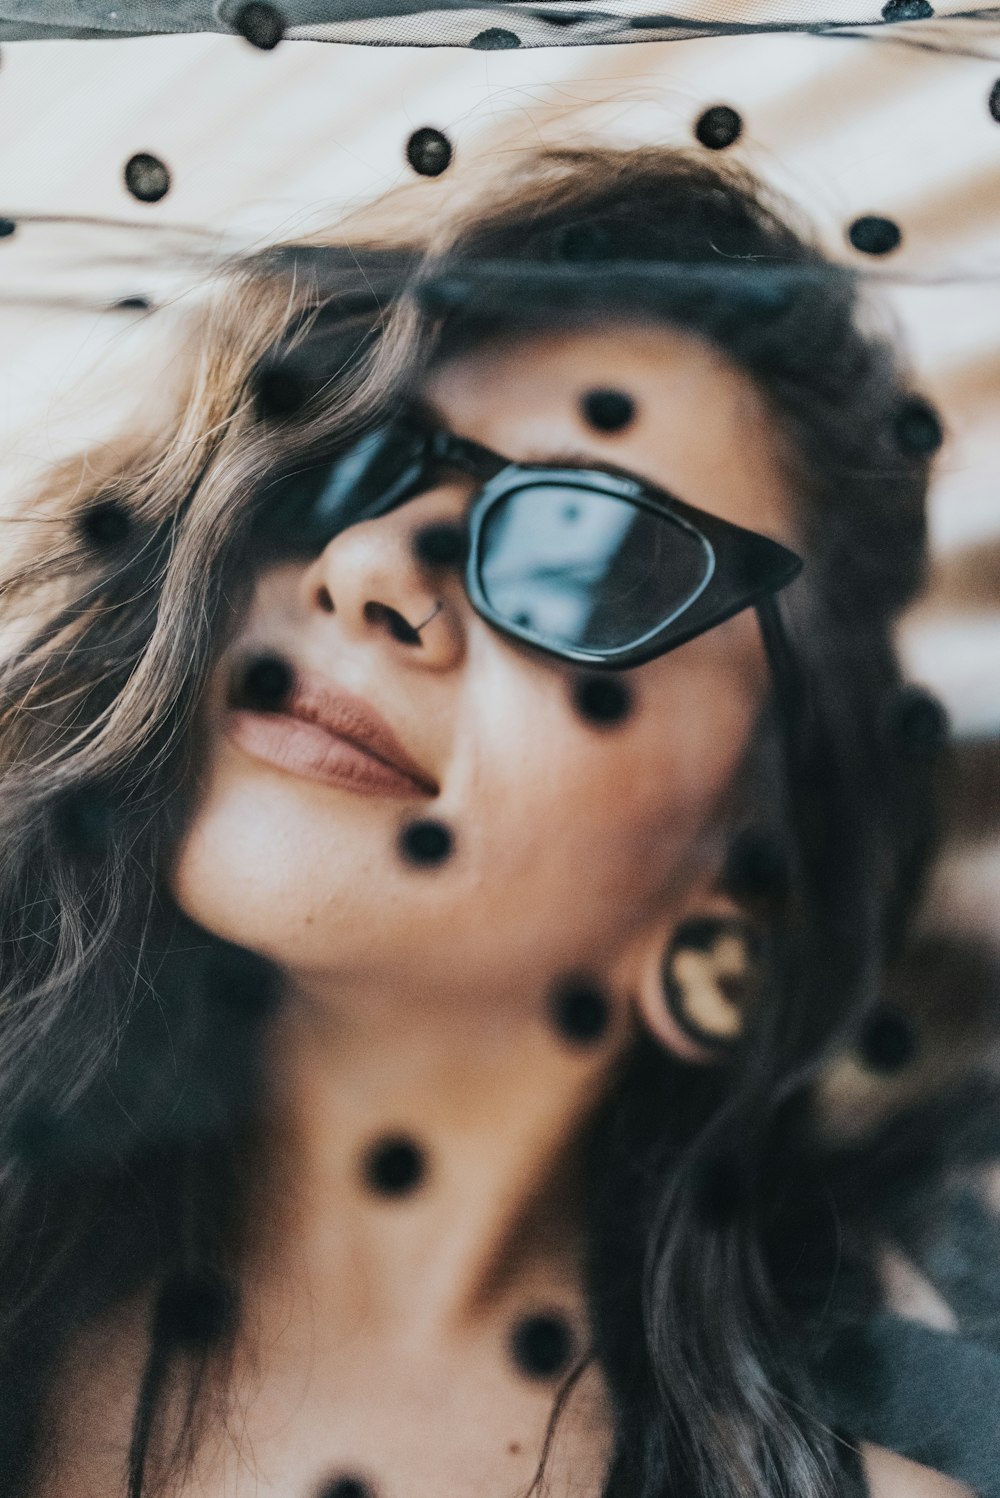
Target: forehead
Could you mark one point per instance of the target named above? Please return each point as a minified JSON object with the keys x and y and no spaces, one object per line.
{"x":702,"y":428}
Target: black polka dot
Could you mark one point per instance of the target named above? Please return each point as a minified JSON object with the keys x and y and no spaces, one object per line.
{"x":132,"y":304}
{"x":146,"y":177}
{"x":429,"y":152}
{"x":541,"y":1345}
{"x":345,"y":1487}
{"x":107,"y":523}
{"x":394,"y":1167}
{"x":495,"y":39}
{"x":8,"y":226}
{"x":918,"y":722}
{"x":602,"y":700}
{"x":561,"y":18}
{"x":194,"y":1310}
{"x":580,"y":1012}
{"x":264,"y":684}
{"x":907,"y":10}
{"x":718,"y":127}
{"x":918,"y":427}
{"x":887,"y":1041}
{"x":718,"y":1190}
{"x":426,"y":842}
{"x":993,"y":102}
{"x":443,"y":544}
{"x":756,"y":868}
{"x":262,"y":25}
{"x":608,"y":410}
{"x":873,"y":235}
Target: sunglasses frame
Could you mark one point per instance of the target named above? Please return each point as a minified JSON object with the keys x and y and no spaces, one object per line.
{"x":744,"y":568}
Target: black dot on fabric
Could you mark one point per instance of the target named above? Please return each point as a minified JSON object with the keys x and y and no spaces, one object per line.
{"x":443,"y":544}
{"x":580,"y":1012}
{"x":132,"y":304}
{"x":429,"y":152}
{"x":888,"y":1041}
{"x":265,"y":684}
{"x":262,"y":25}
{"x":993,"y":102}
{"x":146,"y":177}
{"x":194,"y":1310}
{"x":718,"y":1190}
{"x":907,"y":10}
{"x":873,"y":235}
{"x":8,"y":226}
{"x":426,"y":842}
{"x":602,"y":700}
{"x":345,"y":1487}
{"x":608,"y":410}
{"x":756,"y":868}
{"x":394,"y":1167}
{"x":561,"y":18}
{"x":918,"y":427}
{"x":495,"y":39}
{"x":918,"y":722}
{"x":107,"y":523}
{"x":541,"y":1345}
{"x":718,"y":127}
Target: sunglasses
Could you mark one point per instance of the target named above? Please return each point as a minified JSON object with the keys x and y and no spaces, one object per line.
{"x":593,"y":566}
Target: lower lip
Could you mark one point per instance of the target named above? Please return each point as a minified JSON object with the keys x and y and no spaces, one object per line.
{"x":310,"y":752}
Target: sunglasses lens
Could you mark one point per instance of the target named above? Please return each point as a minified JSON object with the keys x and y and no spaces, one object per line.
{"x":370,"y":478}
{"x":578,"y":568}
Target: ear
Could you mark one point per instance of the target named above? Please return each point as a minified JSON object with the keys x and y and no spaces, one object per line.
{"x":697,"y":976}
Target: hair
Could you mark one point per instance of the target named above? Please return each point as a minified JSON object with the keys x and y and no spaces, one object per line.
{"x":130,"y":1041}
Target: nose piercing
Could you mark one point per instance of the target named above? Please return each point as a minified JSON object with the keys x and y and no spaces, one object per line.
{"x":432,"y":615}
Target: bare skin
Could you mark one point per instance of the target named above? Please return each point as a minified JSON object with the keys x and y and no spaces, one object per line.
{"x":377,"y":1331}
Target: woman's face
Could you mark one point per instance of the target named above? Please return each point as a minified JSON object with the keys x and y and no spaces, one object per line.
{"x":576,"y":846}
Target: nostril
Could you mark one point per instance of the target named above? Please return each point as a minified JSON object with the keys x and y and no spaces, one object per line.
{"x":393,"y":621}
{"x":324,"y":599}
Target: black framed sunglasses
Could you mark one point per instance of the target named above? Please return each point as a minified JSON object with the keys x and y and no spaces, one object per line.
{"x":593,"y":566}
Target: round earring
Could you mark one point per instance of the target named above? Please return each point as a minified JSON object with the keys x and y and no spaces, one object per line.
{"x":710,"y":977}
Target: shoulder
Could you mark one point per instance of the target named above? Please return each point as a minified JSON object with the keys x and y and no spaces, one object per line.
{"x":892,"y":1476}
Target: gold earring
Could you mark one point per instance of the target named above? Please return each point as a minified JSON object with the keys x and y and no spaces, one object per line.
{"x":710,"y":977}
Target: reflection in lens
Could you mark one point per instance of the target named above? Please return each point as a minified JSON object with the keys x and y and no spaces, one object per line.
{"x":377,"y":472}
{"x":586,"y":568}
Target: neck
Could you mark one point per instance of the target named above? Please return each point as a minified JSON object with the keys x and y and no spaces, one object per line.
{"x":495,"y":1102}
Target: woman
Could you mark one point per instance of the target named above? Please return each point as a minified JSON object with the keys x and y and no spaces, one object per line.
{"x":445,"y":838}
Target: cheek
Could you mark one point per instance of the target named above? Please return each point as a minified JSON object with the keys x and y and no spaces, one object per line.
{"x":591,"y":824}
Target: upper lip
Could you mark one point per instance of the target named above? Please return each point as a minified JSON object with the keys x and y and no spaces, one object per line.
{"x":348,"y":717}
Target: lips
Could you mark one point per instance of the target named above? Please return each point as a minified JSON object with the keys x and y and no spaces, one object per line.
{"x":328,"y":734}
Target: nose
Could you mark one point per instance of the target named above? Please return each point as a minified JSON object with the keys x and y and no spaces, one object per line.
{"x":371,"y":578}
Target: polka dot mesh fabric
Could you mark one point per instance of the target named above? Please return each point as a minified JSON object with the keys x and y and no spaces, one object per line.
{"x":227,"y":127}
{"x":437,"y":23}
